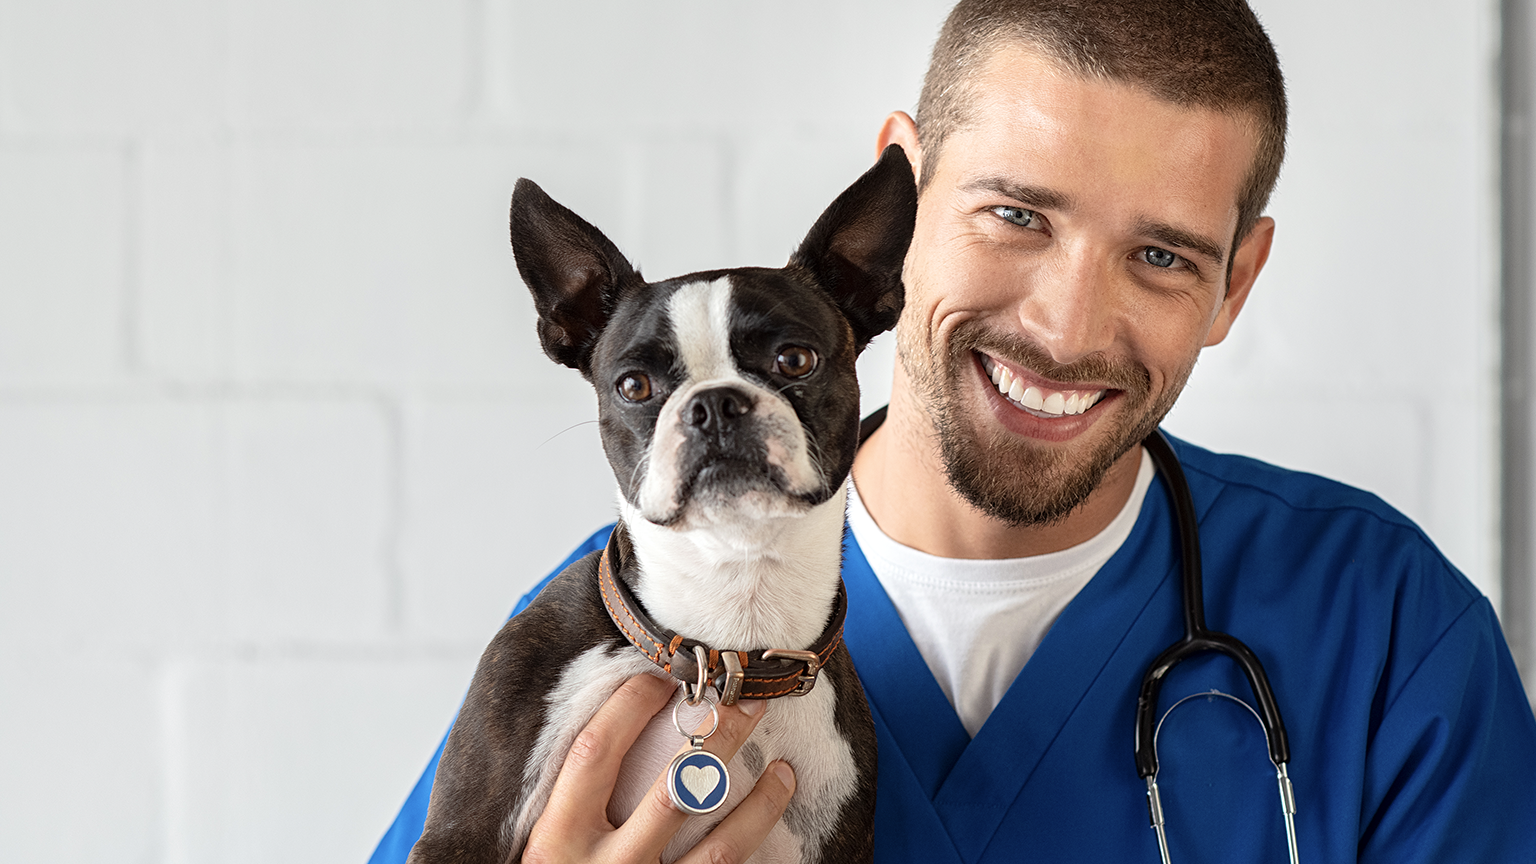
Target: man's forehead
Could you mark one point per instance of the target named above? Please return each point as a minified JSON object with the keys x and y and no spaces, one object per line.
{"x":1036,"y":126}
{"x":1016,"y":70}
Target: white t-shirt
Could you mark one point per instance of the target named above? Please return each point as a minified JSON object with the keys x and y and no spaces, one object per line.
{"x":977,"y":621}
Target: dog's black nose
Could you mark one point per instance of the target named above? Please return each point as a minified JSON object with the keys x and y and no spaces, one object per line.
{"x":716,"y":409}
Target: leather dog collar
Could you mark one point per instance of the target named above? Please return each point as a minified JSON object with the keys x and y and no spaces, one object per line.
{"x":760,"y":674}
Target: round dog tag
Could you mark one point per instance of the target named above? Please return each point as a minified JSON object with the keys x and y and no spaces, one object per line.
{"x":697,"y":781}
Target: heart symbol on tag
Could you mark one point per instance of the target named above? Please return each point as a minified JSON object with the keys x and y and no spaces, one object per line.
{"x":700,"y":781}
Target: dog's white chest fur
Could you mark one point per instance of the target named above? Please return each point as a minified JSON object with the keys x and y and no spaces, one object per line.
{"x":799,"y":730}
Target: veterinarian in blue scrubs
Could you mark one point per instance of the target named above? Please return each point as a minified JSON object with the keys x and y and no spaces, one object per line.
{"x":1011,"y":565}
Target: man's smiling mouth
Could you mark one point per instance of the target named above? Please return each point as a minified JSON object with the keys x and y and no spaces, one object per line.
{"x":1036,"y":400}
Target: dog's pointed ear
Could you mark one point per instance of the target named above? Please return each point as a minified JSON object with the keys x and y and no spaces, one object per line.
{"x":575,"y":273}
{"x":857,"y":247}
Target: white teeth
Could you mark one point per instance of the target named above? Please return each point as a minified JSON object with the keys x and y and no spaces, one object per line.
{"x":1059,"y":404}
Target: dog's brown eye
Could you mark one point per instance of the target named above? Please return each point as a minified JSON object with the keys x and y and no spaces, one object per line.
{"x":795,"y":362}
{"x":635,"y":387}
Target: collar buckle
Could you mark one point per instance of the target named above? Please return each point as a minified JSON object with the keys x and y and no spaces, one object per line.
{"x":809,"y":658}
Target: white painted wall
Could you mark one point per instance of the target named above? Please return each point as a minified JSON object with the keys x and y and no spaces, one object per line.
{"x":278,"y":449}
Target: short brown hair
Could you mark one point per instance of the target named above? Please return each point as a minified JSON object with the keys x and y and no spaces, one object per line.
{"x":1200,"y":53}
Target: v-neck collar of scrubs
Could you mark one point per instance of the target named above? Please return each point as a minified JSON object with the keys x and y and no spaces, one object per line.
{"x":971,"y":784}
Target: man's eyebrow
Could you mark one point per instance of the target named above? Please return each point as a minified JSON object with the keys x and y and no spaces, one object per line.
{"x":1034,"y":196}
{"x":1178,"y":237}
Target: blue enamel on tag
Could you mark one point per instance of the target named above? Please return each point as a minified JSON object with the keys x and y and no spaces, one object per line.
{"x":698,"y":782}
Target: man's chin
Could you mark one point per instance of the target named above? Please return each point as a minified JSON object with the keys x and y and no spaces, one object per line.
{"x":1022,"y":481}
{"x":1021,"y":485}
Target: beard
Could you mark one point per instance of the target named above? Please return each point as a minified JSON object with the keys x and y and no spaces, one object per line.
{"x":1010,"y":478}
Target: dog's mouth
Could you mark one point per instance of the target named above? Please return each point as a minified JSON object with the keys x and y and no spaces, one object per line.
{"x":733,"y":488}
{"x":732,"y":473}
{"x":716,"y":481}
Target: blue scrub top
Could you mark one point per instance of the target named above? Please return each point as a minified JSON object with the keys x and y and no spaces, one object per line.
{"x":1411,"y":737}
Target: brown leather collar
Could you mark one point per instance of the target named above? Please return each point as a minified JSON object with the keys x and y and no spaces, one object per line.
{"x":761,"y":674}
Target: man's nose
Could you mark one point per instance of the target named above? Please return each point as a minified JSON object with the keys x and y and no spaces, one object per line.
{"x":1070,"y":308}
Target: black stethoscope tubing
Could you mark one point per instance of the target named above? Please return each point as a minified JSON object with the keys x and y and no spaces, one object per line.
{"x":1198,"y":638}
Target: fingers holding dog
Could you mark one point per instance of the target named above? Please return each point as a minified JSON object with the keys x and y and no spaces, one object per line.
{"x":739,"y":834}
{"x":578,"y":804}
{"x":574,"y":825}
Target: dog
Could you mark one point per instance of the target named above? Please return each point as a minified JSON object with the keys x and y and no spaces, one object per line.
{"x":729,"y":409}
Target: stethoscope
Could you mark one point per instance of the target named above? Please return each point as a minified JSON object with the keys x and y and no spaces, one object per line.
{"x":1199,"y":639}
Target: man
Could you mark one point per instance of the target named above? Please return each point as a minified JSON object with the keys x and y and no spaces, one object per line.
{"x":1092,"y":177}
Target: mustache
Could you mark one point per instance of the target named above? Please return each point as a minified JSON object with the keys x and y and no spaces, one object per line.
{"x":1096,"y":368}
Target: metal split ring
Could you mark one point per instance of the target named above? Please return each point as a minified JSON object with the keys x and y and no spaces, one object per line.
{"x":700,"y":662}
{"x":714,"y":714}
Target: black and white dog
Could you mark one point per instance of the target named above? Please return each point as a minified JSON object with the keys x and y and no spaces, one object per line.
{"x":728,"y":407}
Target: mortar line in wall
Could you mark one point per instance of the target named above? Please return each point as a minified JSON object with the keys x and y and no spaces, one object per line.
{"x":132,"y":261}
{"x":476,"y":60}
{"x":175,"y":763}
{"x":461,"y":134}
{"x":392,"y":542}
{"x":170,"y":665}
{"x":227,"y":359}
{"x":197,"y":390}
{"x":730,"y":195}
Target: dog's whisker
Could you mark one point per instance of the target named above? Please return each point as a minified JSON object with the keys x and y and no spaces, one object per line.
{"x":565,"y":430}
{"x":637,"y":476}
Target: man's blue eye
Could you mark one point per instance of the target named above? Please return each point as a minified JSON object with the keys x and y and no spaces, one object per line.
{"x":1017,"y":215}
{"x":1159,"y":257}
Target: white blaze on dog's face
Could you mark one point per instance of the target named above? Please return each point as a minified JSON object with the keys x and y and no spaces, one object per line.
{"x":728,"y":444}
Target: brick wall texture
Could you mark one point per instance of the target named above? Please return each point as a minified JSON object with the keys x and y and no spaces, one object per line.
{"x":278,"y":449}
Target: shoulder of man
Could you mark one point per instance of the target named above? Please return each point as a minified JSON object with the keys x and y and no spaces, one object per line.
{"x":596,"y":541}
{"x":1296,"y":489}
{"x":1215,"y":475}
{"x":1304,"y":528}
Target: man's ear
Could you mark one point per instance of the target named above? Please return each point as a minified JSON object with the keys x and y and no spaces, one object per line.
{"x":899,"y":128}
{"x":575,"y":273}
{"x":1247,"y":260}
{"x":856,"y":249}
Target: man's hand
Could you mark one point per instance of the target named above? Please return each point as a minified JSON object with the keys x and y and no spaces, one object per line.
{"x":575,"y":826}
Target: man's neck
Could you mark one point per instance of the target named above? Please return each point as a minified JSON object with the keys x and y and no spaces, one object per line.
{"x":902,"y":482}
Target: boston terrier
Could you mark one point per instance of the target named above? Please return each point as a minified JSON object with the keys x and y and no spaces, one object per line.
{"x":729,"y":409}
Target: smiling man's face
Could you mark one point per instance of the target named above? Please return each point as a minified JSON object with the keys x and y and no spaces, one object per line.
{"x":1069,"y":263}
